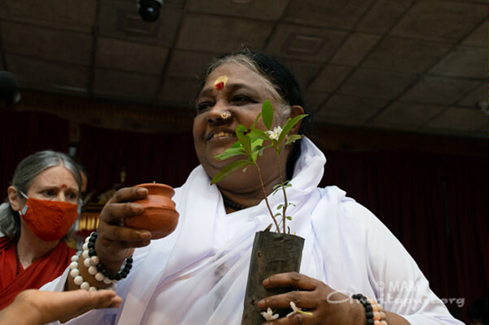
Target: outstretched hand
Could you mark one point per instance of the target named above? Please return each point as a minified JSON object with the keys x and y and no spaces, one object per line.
{"x":32,"y":307}
{"x":116,"y":242}
{"x":320,"y":303}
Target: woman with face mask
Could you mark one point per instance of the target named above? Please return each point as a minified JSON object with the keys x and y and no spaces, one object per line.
{"x":40,"y":210}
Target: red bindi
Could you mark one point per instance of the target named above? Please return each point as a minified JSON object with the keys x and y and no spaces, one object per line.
{"x":63,"y":186}
{"x":220,"y":82}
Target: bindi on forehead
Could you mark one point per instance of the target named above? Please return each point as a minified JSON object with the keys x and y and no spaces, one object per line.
{"x":64,"y":186}
{"x":220,"y":82}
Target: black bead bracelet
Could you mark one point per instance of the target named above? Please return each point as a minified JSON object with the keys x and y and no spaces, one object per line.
{"x":100,"y":268}
{"x":368,"y":307}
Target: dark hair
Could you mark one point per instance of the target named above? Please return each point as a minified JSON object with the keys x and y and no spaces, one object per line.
{"x":478,"y":310}
{"x":282,"y":80}
{"x":81,"y":166}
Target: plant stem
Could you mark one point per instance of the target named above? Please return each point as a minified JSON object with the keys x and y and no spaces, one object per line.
{"x":284,"y":208}
{"x":266,"y":198}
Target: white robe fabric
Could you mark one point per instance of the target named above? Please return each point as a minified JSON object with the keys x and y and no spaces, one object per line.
{"x":198,"y":274}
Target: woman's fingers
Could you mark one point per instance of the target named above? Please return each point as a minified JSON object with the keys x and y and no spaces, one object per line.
{"x":295,"y":319}
{"x":128,"y":194}
{"x":310,"y":300}
{"x":81,"y":301}
{"x":40,"y":307}
{"x":121,"y":205}
{"x":302,"y":299}
{"x":115,"y":242}
{"x":291,"y":280}
{"x":114,"y":213}
{"x":131,"y":236}
{"x":305,"y":296}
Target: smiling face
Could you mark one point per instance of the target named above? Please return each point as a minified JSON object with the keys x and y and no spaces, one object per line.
{"x":222,"y":109}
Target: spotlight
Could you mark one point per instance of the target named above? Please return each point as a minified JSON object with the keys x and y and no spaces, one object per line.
{"x":149,"y":10}
{"x":9,"y":91}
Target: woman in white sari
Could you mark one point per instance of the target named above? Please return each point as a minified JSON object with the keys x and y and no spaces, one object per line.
{"x":197,"y":275}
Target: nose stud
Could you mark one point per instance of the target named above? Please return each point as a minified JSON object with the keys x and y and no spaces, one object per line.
{"x":225,"y":115}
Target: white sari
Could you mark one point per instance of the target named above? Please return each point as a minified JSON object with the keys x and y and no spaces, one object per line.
{"x":198,"y":274}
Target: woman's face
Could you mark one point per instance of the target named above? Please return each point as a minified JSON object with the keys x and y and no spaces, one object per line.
{"x":240,"y":99}
{"x":56,"y":184}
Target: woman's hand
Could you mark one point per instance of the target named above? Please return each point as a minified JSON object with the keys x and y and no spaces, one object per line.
{"x":116,"y":242}
{"x":32,"y":306}
{"x":322,"y":304}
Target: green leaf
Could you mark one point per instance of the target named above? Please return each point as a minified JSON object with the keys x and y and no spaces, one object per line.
{"x":276,"y":190}
{"x":237,"y":144}
{"x":292,"y":138}
{"x":277,"y":186}
{"x":267,"y":114}
{"x":243,"y":138}
{"x":257,"y":133}
{"x":289,"y":125}
{"x":277,"y":214}
{"x":280,"y":206}
{"x":255,"y":122}
{"x":231,"y":152}
{"x":262,"y":149}
{"x":229,"y":169}
{"x":256,"y":147}
{"x":288,"y":218}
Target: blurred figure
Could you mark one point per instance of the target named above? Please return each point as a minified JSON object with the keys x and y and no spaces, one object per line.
{"x":9,"y":90}
{"x":477,"y":312}
{"x":84,"y":174}
{"x":456,"y":313}
{"x":77,"y":241}
{"x":40,"y":209}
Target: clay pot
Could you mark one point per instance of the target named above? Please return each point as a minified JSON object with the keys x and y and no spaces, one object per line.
{"x":159,"y":216}
{"x":272,"y":253}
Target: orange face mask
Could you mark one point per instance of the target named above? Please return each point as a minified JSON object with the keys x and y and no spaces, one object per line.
{"x":49,"y":220}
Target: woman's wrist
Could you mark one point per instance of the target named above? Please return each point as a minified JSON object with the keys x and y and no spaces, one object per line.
{"x":85,"y":276}
{"x":357,"y":312}
{"x":96,"y":267}
{"x":112,"y":262}
{"x":87,"y":271}
{"x":373,"y":311}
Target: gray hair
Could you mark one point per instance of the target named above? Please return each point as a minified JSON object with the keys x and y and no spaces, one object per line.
{"x":24,"y":175}
{"x":248,"y":62}
{"x":282,"y":81}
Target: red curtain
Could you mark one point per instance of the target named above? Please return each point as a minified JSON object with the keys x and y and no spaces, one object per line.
{"x":436,"y":205}
{"x":24,"y":133}
{"x":145,"y":158}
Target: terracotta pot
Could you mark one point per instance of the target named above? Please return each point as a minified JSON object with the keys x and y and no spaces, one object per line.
{"x":272,"y":253}
{"x":159,"y":216}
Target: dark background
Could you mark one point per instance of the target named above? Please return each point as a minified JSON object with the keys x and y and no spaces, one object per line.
{"x":434,"y":201}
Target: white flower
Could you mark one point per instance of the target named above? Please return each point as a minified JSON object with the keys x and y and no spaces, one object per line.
{"x":296,"y":309}
{"x":275,"y":133}
{"x":268,"y":315}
